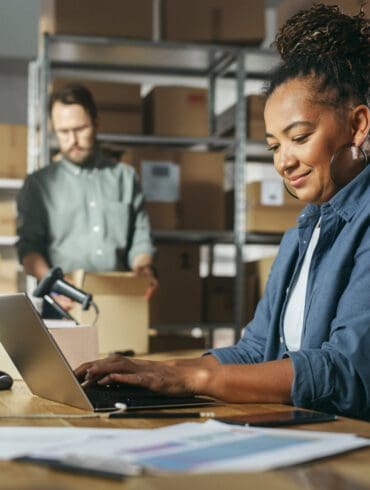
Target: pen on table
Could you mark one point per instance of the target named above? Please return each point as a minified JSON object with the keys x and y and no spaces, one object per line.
{"x":161,"y":415}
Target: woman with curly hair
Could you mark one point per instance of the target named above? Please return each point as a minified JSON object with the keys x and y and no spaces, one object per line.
{"x":309,"y":341}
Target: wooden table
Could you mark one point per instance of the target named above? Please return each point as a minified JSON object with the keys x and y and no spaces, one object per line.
{"x":349,"y":471}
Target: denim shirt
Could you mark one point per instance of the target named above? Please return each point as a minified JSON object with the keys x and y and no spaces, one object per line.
{"x":332,"y":366}
{"x":90,"y":217}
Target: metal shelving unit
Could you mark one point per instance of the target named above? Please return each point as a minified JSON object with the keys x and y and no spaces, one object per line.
{"x":134,"y":58}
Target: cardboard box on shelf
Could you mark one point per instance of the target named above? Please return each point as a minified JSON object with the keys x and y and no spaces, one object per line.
{"x":263,"y":269}
{"x":122,"y":18}
{"x":9,"y":268}
{"x":226,"y":21}
{"x":163,"y":212}
{"x":78,"y":343}
{"x":287,"y":8}
{"x":8,"y":217}
{"x":171,"y":342}
{"x":202,"y":205}
{"x":13,"y":151}
{"x":255,"y":124}
{"x":176,"y":111}
{"x":163,"y":215}
{"x":123,"y":318}
{"x":270,"y":208}
{"x":219,"y":296}
{"x":119,"y":104}
{"x":201,"y":180}
{"x":178,"y":298}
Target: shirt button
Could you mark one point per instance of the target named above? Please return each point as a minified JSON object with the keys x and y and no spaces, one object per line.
{"x":92,"y":204}
{"x":281,"y":340}
{"x":99,"y":251}
{"x":96,"y":229}
{"x":77,"y":171}
{"x":304,"y":242}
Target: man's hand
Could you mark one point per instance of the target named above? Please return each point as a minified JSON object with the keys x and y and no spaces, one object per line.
{"x":144,"y":268}
{"x":167,"y":378}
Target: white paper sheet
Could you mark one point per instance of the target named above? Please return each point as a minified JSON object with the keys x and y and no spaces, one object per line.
{"x":189,"y":447}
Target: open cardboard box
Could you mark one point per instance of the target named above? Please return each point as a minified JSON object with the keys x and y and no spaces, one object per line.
{"x":78,"y":343}
{"x":123,"y":309}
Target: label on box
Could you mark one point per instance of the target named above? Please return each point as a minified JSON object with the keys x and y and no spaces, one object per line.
{"x":272,"y":193}
{"x":160,"y":181}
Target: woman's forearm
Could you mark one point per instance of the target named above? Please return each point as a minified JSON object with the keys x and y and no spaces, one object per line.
{"x":268,"y":382}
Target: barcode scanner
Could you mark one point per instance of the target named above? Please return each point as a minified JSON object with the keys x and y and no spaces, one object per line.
{"x":6,"y":381}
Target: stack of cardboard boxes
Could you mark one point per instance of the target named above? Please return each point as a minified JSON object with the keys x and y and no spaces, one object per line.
{"x":117,"y":18}
{"x":184,"y":189}
{"x":211,"y":21}
{"x":255,"y":124}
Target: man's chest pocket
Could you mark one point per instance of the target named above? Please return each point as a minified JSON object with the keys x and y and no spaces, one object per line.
{"x":116,"y":222}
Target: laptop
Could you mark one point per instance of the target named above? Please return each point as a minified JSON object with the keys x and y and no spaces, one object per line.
{"x":47,"y":373}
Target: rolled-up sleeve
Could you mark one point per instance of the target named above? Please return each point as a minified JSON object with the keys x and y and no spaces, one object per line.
{"x":32,"y":222}
{"x":140,"y":240}
{"x":337,"y":376}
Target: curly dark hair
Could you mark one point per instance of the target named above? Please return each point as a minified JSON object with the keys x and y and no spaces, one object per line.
{"x":330,"y":49}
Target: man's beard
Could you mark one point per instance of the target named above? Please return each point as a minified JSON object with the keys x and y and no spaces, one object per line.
{"x":83,"y":158}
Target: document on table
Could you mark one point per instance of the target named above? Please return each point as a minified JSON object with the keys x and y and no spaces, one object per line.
{"x":188,"y":447}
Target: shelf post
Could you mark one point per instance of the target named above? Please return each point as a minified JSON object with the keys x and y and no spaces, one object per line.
{"x":44,"y":84}
{"x":239,"y":191}
{"x":33,"y":115}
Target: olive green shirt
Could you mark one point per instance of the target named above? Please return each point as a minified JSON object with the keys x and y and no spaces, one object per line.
{"x":89,"y":217}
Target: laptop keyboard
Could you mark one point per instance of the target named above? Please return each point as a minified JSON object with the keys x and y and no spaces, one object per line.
{"x":135,"y":397}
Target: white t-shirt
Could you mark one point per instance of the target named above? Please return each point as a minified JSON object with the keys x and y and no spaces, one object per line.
{"x":294,"y":313}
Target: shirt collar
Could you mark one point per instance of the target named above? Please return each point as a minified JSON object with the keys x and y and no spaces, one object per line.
{"x":345,"y":202}
{"x":97,"y":161}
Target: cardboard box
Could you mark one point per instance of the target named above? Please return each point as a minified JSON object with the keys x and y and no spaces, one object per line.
{"x":91,"y":18}
{"x":13,"y":151}
{"x":219,"y":295}
{"x":263,"y":267}
{"x":119,"y":104}
{"x":234,"y":21}
{"x":8,"y":275}
{"x":176,"y":111}
{"x":202,"y":205}
{"x":163,"y":215}
{"x":202,"y":197}
{"x":78,"y":343}
{"x":287,"y":8}
{"x":179,"y":296}
{"x":255,"y":123}
{"x":124,"y":311}
{"x":275,"y":214}
{"x":8,"y":218}
{"x":172,"y":342}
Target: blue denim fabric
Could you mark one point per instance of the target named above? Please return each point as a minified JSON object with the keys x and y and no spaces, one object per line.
{"x":332,"y":367}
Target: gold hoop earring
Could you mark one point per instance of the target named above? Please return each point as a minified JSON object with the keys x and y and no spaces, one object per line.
{"x":289,"y":191}
{"x":346,"y":163}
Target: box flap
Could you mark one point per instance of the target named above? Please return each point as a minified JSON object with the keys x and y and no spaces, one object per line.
{"x":115,"y":283}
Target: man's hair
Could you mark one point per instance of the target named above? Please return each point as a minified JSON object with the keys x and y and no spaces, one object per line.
{"x":74,"y":93}
{"x":330,"y":50}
